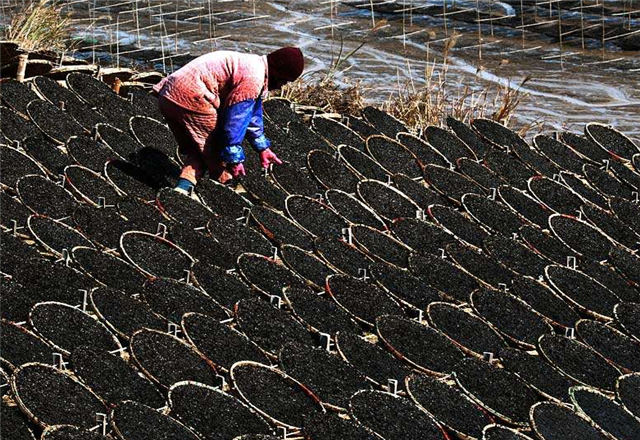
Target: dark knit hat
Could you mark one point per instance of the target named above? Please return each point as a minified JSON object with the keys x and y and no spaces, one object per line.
{"x":286,"y":64}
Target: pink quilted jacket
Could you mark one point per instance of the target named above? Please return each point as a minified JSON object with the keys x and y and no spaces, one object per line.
{"x":215,"y":80}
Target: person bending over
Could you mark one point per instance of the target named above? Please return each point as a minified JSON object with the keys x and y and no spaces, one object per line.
{"x":215,"y":101}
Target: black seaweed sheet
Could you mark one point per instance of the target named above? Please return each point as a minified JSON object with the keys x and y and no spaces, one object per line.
{"x":47,"y":153}
{"x":13,"y":209}
{"x":628,"y":392}
{"x":444,"y":276}
{"x":383,"y":122}
{"x":119,"y":141}
{"x":336,"y":133}
{"x":422,"y":236}
{"x":554,"y":195}
{"x":354,"y":210}
{"x":54,"y":397}
{"x":500,"y":392}
{"x":479,"y":264}
{"x":18,"y":95}
{"x":198,"y":407}
{"x":90,"y":153}
{"x":581,"y":187}
{"x":315,"y":217}
{"x":451,"y":184}
{"x":333,"y":427}
{"x":329,"y":377}
{"x":386,"y":201}
{"x":611,"y":140}
{"x":479,"y":173}
{"x":307,"y":265}
{"x":612,"y":344}
{"x":21,"y":346}
{"x":183,"y":209}
{"x":422,"y":346}
{"x":553,"y":421}
{"x":14,"y":127}
{"x":342,"y":256}
{"x":425,"y":153}
{"x":626,"y":262}
{"x":612,"y":227}
{"x":132,"y":180}
{"x":134,"y":421}
{"x":44,"y":197}
{"x":103,"y":226}
{"x":394,"y":417}
{"x":267,"y":275}
{"x":458,"y":224}
{"x":53,"y":122}
{"x":224,"y":287}
{"x":578,"y":361}
{"x":559,"y":153}
{"x":393,"y":156}
{"x":155,"y":255}
{"x":606,"y":414}
{"x":293,"y":180}
{"x":580,"y":236}
{"x":516,"y":256}
{"x":403,"y":286}
{"x":626,"y":314}
{"x":319,"y":312}
{"x":361,"y":163}
{"x":417,"y":191}
{"x":280,"y":229}
{"x":509,"y":168}
{"x":108,"y":269}
{"x":524,"y":205}
{"x":55,"y":236}
{"x":584,"y":146}
{"x":222,"y":199}
{"x":447,"y":143}
{"x":546,"y":244}
{"x":330,"y":172}
{"x":468,"y":136}
{"x":90,"y":186}
{"x":381,"y":246}
{"x":497,"y":134}
{"x":112,"y":378}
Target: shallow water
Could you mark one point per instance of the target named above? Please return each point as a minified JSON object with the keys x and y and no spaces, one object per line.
{"x":563,"y":92}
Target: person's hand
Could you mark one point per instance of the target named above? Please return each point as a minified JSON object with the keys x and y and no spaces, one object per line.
{"x":267,"y":157}
{"x":236,"y":170}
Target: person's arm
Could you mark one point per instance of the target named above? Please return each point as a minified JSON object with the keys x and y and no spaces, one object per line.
{"x":255,"y":131}
{"x":233,"y":122}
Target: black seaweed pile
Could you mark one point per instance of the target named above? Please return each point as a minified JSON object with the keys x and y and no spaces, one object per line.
{"x":112,"y":378}
{"x":583,"y":189}
{"x":403,"y":286}
{"x":354,"y":210}
{"x":89,"y":185}
{"x":422,"y":346}
{"x":54,"y":235}
{"x":626,"y":262}
{"x":468,"y":331}
{"x":581,"y":237}
{"x":20,"y":346}
{"x":123,"y":313}
{"x":393,"y":156}
{"x":537,"y":373}
{"x":274,"y":394}
{"x":497,"y":134}
{"x":553,"y":421}
{"x":448,"y":405}
{"x":315,"y":217}
{"x":14,"y":126}
{"x":171,"y":299}
{"x":559,"y":153}
{"x":131,"y":180}
{"x":479,"y":264}
{"x":15,"y":425}
{"x":451,"y":184}
{"x":307,"y":265}
{"x":383,"y":122}
{"x":155,"y":255}
{"x":444,"y":276}
{"x":319,"y":312}
{"x":12,"y":209}
{"x":16,"y":301}
{"x":90,"y":153}
{"x":480,"y":174}
{"x":370,"y":359}
{"x":102,"y":226}
{"x":554,"y":195}
{"x":606,"y":275}
{"x":386,"y":201}
{"x":333,"y":427}
{"x":53,"y":122}
{"x":448,"y":144}
{"x":44,"y":197}
{"x":199,"y":407}
{"x":424,"y":152}
{"x":627,"y":389}
{"x":544,"y":301}
{"x":509,"y":168}
{"x":584,"y":147}
{"x":510,"y":315}
{"x":516,"y":256}
{"x":468,"y":136}
{"x":583,"y":291}
{"x":546,"y":244}
{"x":612,"y":227}
{"x":266,"y":275}
{"x":119,"y":141}
{"x":337,"y":133}
{"x":108,"y":270}
{"x":611,"y":140}
{"x":269,"y":327}
{"x":334,"y":382}
{"x":53,"y":397}
{"x":295,"y":181}
{"x":536,"y":161}
{"x":280,"y":229}
{"x":67,"y":328}
{"x":47,"y":153}
{"x":362,"y":127}
{"x":578,"y":361}
{"x":183,"y":209}
{"x":421,"y":236}
{"x":265,"y":192}
{"x":394,"y":416}
{"x":605,"y":182}
{"x":361,"y":163}
{"x":500,"y":392}
{"x":342,"y":256}
{"x":225,"y":288}
{"x":381,"y":246}
{"x":418,"y":191}
{"x":17,"y":95}
{"x":213,"y":339}
{"x":364,"y":301}
{"x":613,"y":345}
{"x":166,"y":359}
{"x":459,"y":225}
{"x":222,"y":199}
{"x":626,"y":314}
{"x":158,"y":165}
{"x":208,"y":251}
{"x":134,"y":421}
{"x":524,"y":205}
{"x":330,"y":172}
{"x":606,"y":414}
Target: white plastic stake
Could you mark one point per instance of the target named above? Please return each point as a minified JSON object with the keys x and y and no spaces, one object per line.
{"x":420,"y":315}
{"x":275,"y":252}
{"x":503,"y":287}
{"x":442,"y":253}
{"x":276,"y":301}
{"x":221,"y":382}
{"x":162,"y":230}
{"x":173,"y":329}
{"x":58,"y":361}
{"x":325,"y":341}
{"x":85,"y":294}
{"x":392,"y":384}
{"x":493,"y":193}
{"x":282,"y":431}
{"x":571,"y":262}
{"x":420,"y":214}
{"x":570,"y":332}
{"x":347,"y":235}
{"x":363,"y":274}
{"x":488,"y":356}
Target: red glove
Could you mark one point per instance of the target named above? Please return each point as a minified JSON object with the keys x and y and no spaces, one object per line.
{"x":267,"y":157}
{"x":236,"y":170}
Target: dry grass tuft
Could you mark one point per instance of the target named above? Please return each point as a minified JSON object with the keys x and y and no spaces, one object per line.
{"x":38,"y":26}
{"x":418,"y":106}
